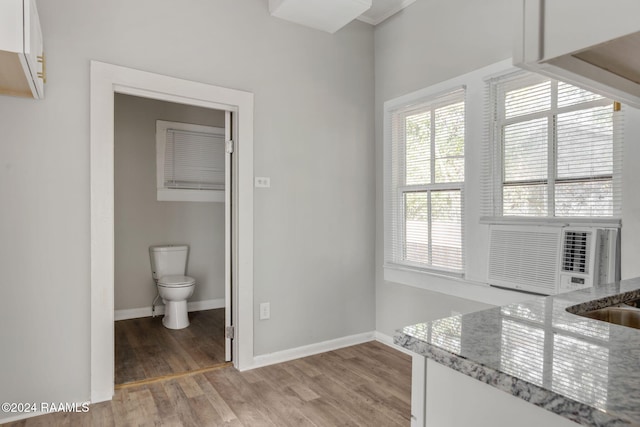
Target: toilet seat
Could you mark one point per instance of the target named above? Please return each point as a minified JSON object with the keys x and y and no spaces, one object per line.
{"x":176,"y":281}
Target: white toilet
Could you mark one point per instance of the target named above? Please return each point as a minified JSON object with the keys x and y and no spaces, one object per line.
{"x":168,"y":266}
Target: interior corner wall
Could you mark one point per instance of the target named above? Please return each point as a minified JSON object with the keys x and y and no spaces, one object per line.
{"x":431,"y":42}
{"x":313,"y":136}
{"x":427,"y":43}
{"x":630,"y":244}
{"x":141,"y":220}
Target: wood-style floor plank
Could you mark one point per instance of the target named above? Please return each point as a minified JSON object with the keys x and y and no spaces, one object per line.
{"x":216,"y":401}
{"x":366,"y":385}
{"x":145,"y":349}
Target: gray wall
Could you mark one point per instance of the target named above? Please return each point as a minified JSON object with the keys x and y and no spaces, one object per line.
{"x":427,"y":43}
{"x":314,"y":132}
{"x":141,"y":220}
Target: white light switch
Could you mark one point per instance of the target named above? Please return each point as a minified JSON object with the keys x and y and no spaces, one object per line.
{"x":262,"y":182}
{"x":265,"y":310}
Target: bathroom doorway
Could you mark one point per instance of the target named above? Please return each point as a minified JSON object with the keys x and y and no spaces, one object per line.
{"x":153,"y":137}
{"x":106,"y":81}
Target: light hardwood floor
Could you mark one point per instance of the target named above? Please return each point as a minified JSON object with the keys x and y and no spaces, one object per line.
{"x":145,"y":349}
{"x":364,"y":385}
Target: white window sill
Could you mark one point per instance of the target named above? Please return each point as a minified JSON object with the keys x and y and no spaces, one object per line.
{"x":454,"y":286}
{"x":549,"y":221}
{"x":180,"y":195}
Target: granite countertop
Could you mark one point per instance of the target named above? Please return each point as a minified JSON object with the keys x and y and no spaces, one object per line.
{"x":582,"y":369}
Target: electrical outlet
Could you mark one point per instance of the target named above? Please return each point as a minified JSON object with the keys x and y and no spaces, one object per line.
{"x":262,"y":182}
{"x":265,"y":310}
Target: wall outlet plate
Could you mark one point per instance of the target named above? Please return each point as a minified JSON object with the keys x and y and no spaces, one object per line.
{"x":265,"y":310}
{"x":262,"y":182}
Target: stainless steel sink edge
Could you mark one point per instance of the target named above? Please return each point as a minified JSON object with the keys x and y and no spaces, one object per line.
{"x":625,"y":313}
{"x":600,"y":303}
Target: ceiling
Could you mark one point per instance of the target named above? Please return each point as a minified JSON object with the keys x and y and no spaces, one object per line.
{"x":383,"y":9}
{"x":331,"y":15}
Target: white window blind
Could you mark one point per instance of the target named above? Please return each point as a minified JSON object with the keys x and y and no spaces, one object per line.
{"x":552,"y":150}
{"x":424,"y":184}
{"x":194,"y":160}
{"x":190,"y":162}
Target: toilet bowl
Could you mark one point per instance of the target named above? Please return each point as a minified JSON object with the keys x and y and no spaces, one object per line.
{"x":168,"y":267}
{"x":174,"y":291}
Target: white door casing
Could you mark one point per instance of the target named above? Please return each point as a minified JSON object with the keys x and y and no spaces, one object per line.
{"x":228,"y":211}
{"x":106,"y":80}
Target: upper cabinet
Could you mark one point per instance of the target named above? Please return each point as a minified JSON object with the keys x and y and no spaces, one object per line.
{"x":22,"y":62}
{"x":591,"y":43}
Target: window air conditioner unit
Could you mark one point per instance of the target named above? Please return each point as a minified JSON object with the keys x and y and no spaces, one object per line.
{"x":549,"y":260}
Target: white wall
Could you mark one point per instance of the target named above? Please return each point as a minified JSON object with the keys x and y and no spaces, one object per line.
{"x":630,"y":251}
{"x":314,"y":228}
{"x":429,"y":43}
{"x":142,"y":221}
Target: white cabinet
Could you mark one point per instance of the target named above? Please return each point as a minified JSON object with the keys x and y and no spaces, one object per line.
{"x":453,"y":399}
{"x":590,"y":43}
{"x":22,"y":62}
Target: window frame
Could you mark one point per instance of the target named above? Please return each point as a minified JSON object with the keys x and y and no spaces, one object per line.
{"x":497,"y":122}
{"x":396,"y":165}
{"x":172,"y":194}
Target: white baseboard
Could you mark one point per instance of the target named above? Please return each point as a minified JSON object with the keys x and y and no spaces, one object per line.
{"x":97,"y":397}
{"x":209,"y":304}
{"x":135,"y":313}
{"x":386,"y":339}
{"x":309,"y":350}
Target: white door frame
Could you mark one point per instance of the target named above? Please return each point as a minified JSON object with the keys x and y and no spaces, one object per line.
{"x":106,"y":80}
{"x":229,"y":203}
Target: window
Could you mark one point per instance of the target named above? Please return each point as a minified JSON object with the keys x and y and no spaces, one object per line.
{"x":555,"y":150}
{"x":190,"y":162}
{"x":424,"y":179}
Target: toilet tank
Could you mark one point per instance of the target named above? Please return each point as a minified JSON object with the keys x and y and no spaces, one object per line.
{"x":168,"y":260}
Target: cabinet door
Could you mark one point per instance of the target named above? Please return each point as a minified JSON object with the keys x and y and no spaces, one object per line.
{"x":33,"y":47}
{"x":588,"y":43}
{"x":11,"y":26}
{"x":572,"y":25}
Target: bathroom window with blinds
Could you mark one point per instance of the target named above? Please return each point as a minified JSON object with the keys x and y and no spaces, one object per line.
{"x":424,"y":180}
{"x":553,"y":150}
{"x":190,"y":162}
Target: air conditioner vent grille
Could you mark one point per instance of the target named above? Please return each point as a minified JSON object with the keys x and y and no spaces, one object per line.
{"x":524,"y":258}
{"x":575,"y":252}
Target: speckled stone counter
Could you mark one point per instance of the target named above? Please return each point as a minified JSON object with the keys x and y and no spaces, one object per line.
{"x":582,"y":369}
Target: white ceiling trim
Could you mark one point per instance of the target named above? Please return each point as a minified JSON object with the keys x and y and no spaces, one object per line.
{"x":332,"y":15}
{"x":383,"y":9}
{"x":325,"y":15}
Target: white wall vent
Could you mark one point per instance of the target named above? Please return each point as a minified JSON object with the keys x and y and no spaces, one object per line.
{"x":549,"y":260}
